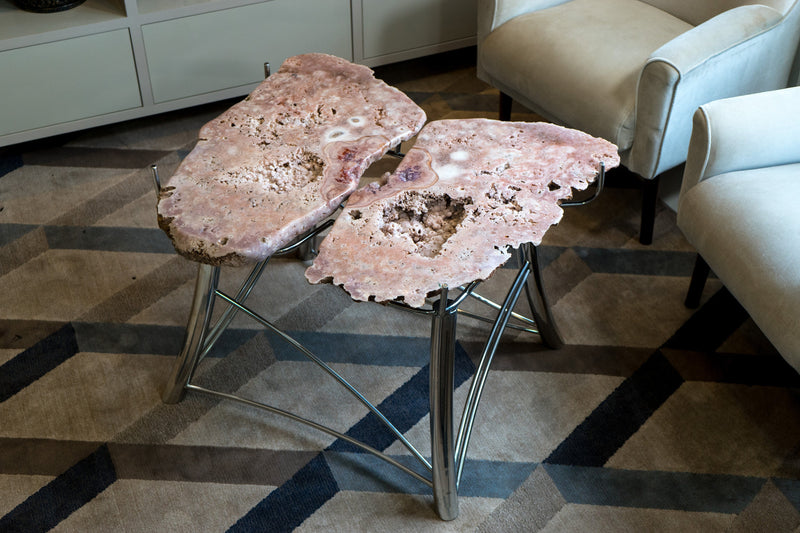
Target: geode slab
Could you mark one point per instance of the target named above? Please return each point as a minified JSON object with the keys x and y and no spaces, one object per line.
{"x":465,"y":192}
{"x":274,"y":165}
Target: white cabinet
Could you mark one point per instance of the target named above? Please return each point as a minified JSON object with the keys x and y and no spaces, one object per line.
{"x":111,"y":60}
{"x":73,"y":79}
{"x":393,"y":31}
{"x":213,"y":51}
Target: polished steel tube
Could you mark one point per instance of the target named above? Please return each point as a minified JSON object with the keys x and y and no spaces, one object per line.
{"x":230,"y":312}
{"x":465,"y":292}
{"x":479,"y":379}
{"x":492,"y":320}
{"x":303,"y":242}
{"x":196,"y":328}
{"x":601,"y":179}
{"x":156,"y":180}
{"x":246,"y":288}
{"x":537,"y":300}
{"x":443,"y":339}
{"x":315,"y":425}
{"x":495,"y":305}
{"x":352,"y":390}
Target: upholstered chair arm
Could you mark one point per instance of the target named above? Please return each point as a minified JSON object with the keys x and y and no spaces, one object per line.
{"x":731,"y":54}
{"x":742,"y":133}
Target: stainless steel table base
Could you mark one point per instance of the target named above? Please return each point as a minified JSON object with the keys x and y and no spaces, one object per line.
{"x":448,"y":448}
{"x":442,"y":473}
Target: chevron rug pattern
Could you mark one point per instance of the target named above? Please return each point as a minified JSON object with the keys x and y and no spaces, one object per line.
{"x":652,"y":418}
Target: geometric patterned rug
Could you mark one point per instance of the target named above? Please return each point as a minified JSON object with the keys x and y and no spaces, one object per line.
{"x":653,"y":417}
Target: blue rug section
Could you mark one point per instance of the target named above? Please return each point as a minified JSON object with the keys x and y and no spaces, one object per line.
{"x":366,"y":473}
{"x":378,"y":350}
{"x":791,"y":489}
{"x":109,"y":239}
{"x":546,"y":255}
{"x":744,"y":369}
{"x":404,"y":408}
{"x":36,"y":361}
{"x":63,"y":496}
{"x":640,"y":262}
{"x":620,"y":415}
{"x":129,"y":338}
{"x":11,"y":232}
{"x":711,"y":325}
{"x":707,"y":493}
{"x":10,"y":163}
{"x":290,"y":504}
{"x":493,"y":479}
{"x":149,"y":339}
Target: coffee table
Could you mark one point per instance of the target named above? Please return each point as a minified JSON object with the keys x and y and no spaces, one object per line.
{"x":442,"y":470}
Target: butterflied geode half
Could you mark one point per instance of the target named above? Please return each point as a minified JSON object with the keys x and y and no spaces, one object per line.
{"x":466,"y":192}
{"x":277,"y":163}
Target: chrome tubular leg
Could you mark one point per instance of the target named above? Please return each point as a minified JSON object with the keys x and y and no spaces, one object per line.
{"x":156,"y":180}
{"x":230,"y":312}
{"x":534,"y":290}
{"x":307,"y":251}
{"x":199,"y":318}
{"x":311,"y":423}
{"x":444,"y":470}
{"x":479,"y":380}
{"x":331,"y":372}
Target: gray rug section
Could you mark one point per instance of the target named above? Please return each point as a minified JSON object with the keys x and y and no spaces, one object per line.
{"x":164,"y":422}
{"x":529,"y":509}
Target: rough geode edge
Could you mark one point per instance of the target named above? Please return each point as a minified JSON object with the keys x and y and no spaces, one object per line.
{"x":467,"y":191}
{"x":323,"y":118}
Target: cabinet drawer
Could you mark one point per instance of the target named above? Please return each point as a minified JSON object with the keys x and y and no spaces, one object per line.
{"x":51,"y":83}
{"x":391,"y":27}
{"x":224,"y":49}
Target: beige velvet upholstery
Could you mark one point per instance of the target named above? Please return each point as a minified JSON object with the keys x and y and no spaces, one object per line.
{"x":632,"y":71}
{"x":740,"y":206}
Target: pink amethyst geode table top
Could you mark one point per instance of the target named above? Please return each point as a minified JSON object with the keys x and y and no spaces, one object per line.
{"x":283,"y":159}
{"x":464,"y":193}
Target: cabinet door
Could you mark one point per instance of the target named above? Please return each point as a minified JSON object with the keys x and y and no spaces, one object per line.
{"x":225,"y":49}
{"x":51,"y":83}
{"x":390,"y":26}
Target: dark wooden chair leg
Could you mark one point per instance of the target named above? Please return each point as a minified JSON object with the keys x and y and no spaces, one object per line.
{"x":699,"y":277}
{"x":649,"y":202}
{"x":505,"y":106}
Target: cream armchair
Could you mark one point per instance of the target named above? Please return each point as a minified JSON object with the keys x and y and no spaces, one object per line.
{"x":739,"y":207}
{"x":632,"y":71}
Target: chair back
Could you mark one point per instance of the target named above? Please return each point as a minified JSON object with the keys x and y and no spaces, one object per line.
{"x":696,"y":12}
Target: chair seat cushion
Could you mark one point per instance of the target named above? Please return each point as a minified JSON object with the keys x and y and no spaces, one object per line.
{"x":746,"y":225}
{"x":578,"y":63}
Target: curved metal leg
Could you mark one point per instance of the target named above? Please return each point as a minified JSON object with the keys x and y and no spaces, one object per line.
{"x":444,"y":468}
{"x":534,"y":290}
{"x":482,"y":372}
{"x":213,"y":334}
{"x":193,"y":343}
{"x":308,"y":250}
